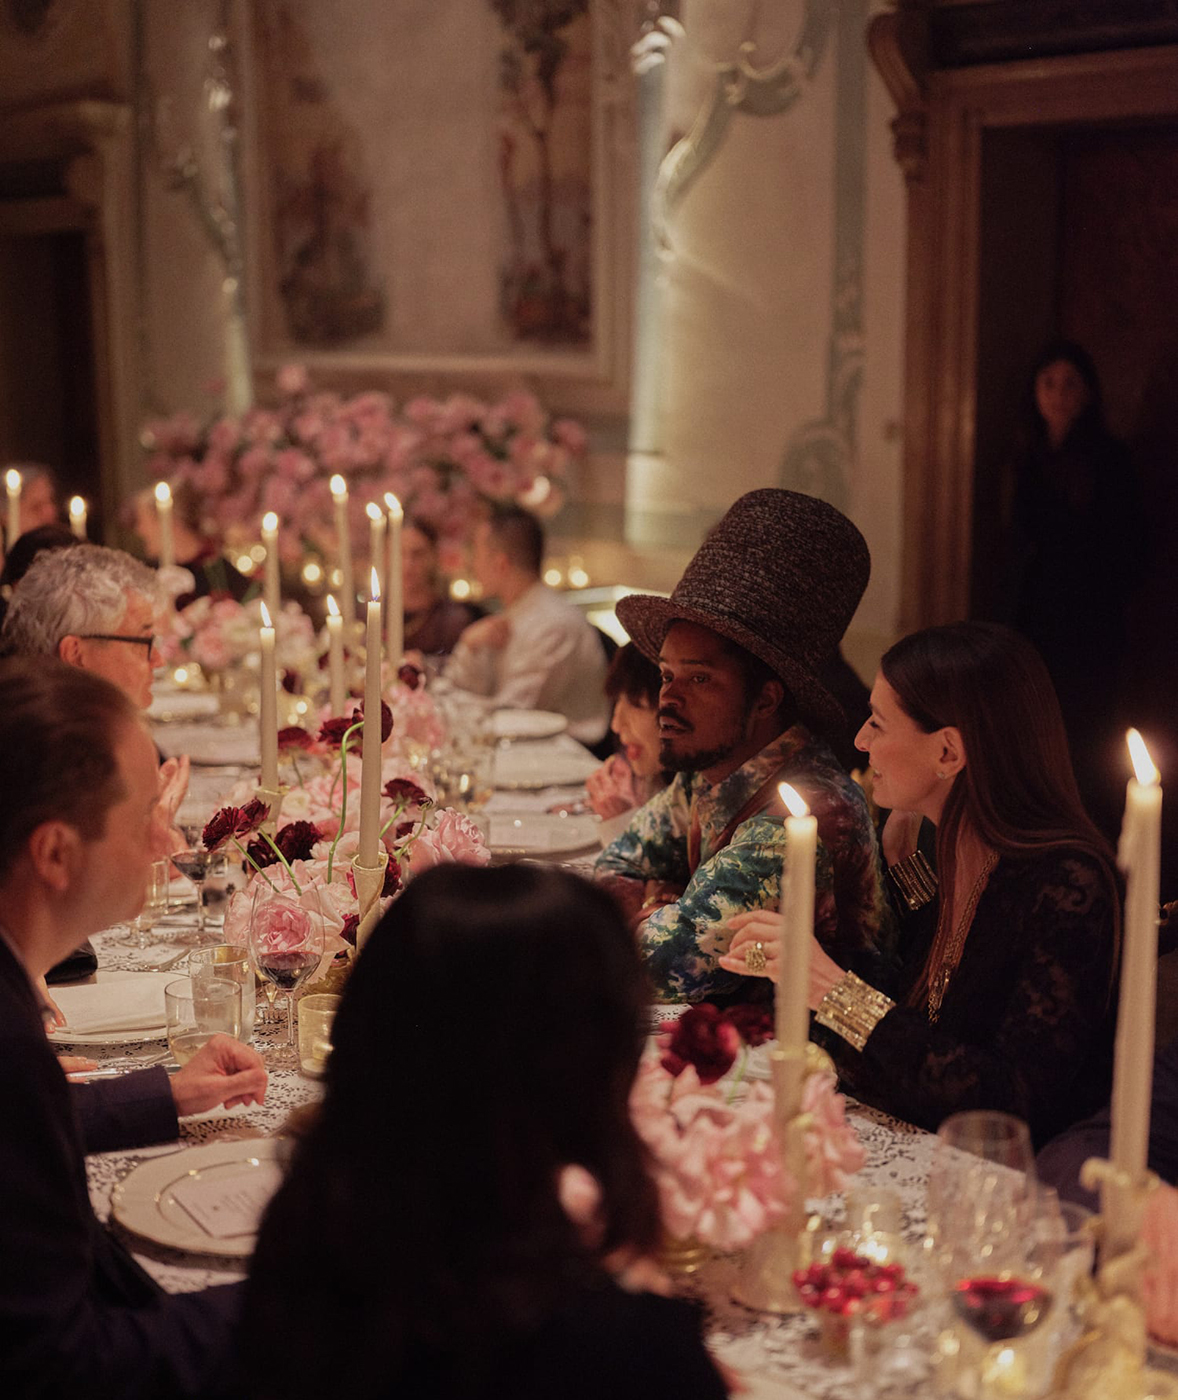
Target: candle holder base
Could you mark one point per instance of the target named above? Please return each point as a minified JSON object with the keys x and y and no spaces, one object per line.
{"x":272,"y":797}
{"x":1108,"y":1362}
{"x":369,"y":883}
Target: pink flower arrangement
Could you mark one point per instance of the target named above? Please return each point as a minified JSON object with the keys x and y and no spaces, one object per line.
{"x":438,"y":456}
{"x":453,"y":837}
{"x":219,"y":633}
{"x":833,"y":1150}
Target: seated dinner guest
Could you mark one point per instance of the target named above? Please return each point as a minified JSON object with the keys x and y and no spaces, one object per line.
{"x":540,"y":652}
{"x":433,"y":620}
{"x":741,"y":644}
{"x":630,"y":777}
{"x":78,"y":1316}
{"x":1005,"y":996}
{"x":484,"y":1230}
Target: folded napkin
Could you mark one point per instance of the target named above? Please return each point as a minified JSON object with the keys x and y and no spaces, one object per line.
{"x":132,"y":1003}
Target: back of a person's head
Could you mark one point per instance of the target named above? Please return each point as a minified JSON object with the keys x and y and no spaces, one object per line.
{"x":72,"y":592}
{"x":506,"y":1007}
{"x":59,"y":727}
{"x":519,"y":535}
{"x":633,"y":675}
{"x":990,"y":683}
{"x":29,"y":545}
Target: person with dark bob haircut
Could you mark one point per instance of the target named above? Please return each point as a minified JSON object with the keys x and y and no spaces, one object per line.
{"x":1005,"y":996}
{"x":634,"y":774}
{"x":462,"y":1231}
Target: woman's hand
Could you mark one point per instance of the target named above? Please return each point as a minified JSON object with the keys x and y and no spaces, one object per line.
{"x":899,"y":836}
{"x":58,"y":1014}
{"x":611,"y":788}
{"x":763,"y":926}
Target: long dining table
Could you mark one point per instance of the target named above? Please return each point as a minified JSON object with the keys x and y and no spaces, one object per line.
{"x":777,"y":1356}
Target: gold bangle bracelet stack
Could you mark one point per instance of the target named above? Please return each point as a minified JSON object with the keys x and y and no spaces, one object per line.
{"x":852,"y":1009}
{"x":915,"y":878}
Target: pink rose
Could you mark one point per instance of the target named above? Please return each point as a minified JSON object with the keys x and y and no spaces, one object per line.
{"x":279,"y":926}
{"x":454,"y":837}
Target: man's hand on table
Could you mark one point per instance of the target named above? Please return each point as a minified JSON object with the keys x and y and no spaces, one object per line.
{"x":223,"y":1071}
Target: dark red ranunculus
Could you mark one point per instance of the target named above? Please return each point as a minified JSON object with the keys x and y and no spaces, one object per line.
{"x":754,"y":1024}
{"x":261,"y":853}
{"x":348,"y":932}
{"x":405,"y":790}
{"x":251,"y":816}
{"x":294,"y":736}
{"x":392,"y":879}
{"x":409,"y":675}
{"x":386,"y":721}
{"x":220,"y":827}
{"x":332,"y":731}
{"x":702,"y":1037}
{"x":404,"y":830}
{"x":297,"y":840}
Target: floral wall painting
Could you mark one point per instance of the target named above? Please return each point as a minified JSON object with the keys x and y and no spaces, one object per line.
{"x":544,"y":166}
{"x":321,"y":201}
{"x":438,"y":187}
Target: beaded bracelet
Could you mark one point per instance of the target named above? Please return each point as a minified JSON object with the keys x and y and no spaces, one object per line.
{"x":852,"y":1009}
{"x":915,"y":878}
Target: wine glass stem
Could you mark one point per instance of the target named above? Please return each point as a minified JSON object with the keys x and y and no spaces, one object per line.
{"x":290,"y":1040}
{"x":200,"y":905}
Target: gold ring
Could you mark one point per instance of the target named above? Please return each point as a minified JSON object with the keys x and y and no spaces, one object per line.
{"x":754,"y":959}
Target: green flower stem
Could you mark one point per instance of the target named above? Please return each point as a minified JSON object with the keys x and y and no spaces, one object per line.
{"x":741,"y":1065}
{"x":401,"y":807}
{"x":246,"y":855}
{"x":409,"y":841}
{"x":294,"y":763}
{"x":274,"y":847}
{"x":343,"y":811}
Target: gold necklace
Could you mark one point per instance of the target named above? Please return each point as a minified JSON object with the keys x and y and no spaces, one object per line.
{"x":947,"y":952}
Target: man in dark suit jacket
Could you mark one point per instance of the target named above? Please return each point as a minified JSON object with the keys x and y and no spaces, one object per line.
{"x":78,"y":776}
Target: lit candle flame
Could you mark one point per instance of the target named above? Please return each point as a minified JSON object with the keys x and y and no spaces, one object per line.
{"x":394,"y":506}
{"x":339,"y":488}
{"x":269,"y":523}
{"x":332,"y":605}
{"x":266,"y":616}
{"x":163,"y":492}
{"x":374,"y":511}
{"x":77,"y":507}
{"x":1143,"y":765}
{"x":13,"y":479}
{"x":374,"y":587}
{"x":793,"y":800}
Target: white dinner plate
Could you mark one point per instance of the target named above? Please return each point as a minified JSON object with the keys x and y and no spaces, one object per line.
{"x":540,"y":768}
{"x":145,"y":1202}
{"x":68,"y":997}
{"x":537,"y":834}
{"x":170,"y":706}
{"x":527,"y":724}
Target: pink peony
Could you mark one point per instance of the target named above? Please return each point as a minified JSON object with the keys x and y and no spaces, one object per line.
{"x":453,"y":837}
{"x":279,"y":926}
{"x":833,"y":1150}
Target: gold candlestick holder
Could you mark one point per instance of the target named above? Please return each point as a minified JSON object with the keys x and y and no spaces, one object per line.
{"x":369,"y":883}
{"x":1108,"y":1361}
{"x":765,"y":1281}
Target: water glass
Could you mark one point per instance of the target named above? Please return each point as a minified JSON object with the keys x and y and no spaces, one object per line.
{"x":316,"y":1014}
{"x":154,"y":907}
{"x":232,"y":961}
{"x":198,"y":1008}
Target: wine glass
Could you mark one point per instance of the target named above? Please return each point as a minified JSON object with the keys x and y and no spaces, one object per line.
{"x":154,"y":907}
{"x":984,"y":1216}
{"x":287,"y":944}
{"x":193,"y":863}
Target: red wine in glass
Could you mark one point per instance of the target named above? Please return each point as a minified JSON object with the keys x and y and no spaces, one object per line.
{"x":287,"y":970}
{"x":1000,"y":1309}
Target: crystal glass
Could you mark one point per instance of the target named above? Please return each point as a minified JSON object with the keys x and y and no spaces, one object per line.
{"x":316,"y":1014}
{"x":197,"y":1008}
{"x":988,"y":1242}
{"x":155,"y":905}
{"x":194,"y":862}
{"x":231,"y":960}
{"x":286,"y":941}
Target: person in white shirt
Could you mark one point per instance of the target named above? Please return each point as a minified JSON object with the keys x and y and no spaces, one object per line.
{"x":540,"y":652}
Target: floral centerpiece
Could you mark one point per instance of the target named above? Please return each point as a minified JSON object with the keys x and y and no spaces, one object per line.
{"x":438,"y":456}
{"x":220,"y":633}
{"x":713,"y":1136}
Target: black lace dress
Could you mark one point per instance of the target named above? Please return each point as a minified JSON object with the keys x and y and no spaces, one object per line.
{"x":1028,"y":1019}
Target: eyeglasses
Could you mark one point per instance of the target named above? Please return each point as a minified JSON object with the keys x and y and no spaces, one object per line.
{"x":148,"y":642}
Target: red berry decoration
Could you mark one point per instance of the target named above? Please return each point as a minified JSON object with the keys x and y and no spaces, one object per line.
{"x":851,"y":1283}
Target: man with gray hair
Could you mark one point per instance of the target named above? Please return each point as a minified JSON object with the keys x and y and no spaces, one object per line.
{"x":93,"y":608}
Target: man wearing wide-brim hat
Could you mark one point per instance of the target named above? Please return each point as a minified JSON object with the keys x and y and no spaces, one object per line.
{"x":742,"y":643}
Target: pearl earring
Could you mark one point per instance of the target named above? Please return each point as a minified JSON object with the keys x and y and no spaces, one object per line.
{"x":941,"y":774}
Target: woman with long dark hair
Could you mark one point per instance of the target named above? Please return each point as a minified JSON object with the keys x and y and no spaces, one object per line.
{"x":1004,"y":996}
{"x":452,"y":1223}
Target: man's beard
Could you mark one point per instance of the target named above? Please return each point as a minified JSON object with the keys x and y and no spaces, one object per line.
{"x":696,"y":760}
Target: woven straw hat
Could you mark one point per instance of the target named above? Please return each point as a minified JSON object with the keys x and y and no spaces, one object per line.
{"x":781,"y":576}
